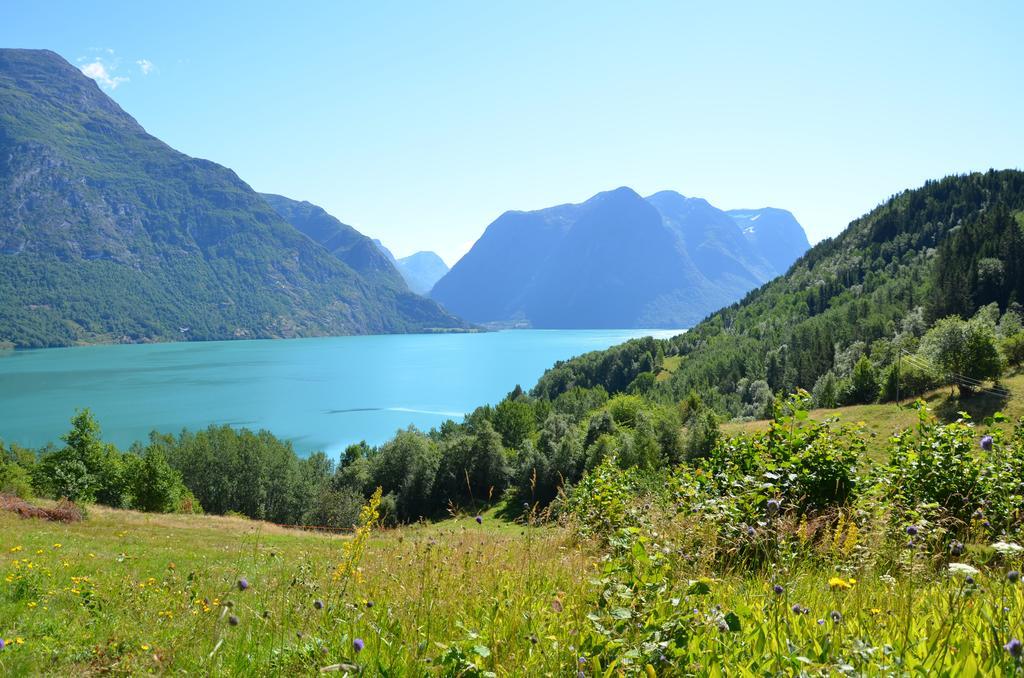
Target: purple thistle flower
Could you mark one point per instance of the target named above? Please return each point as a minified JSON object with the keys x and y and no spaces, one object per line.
{"x":1013,"y":576}
{"x":912,"y":530}
{"x":956,"y":548}
{"x":772,"y":507}
{"x":2,"y":643}
{"x":358,"y":644}
{"x":233,"y":620}
{"x":750,"y":530}
{"x":1014,"y":647}
{"x":243,"y":584}
{"x":479,"y":520}
{"x":969,"y":580}
{"x":836,"y":616}
{"x":778,"y":589}
{"x":986,"y":443}
{"x":318,"y":604}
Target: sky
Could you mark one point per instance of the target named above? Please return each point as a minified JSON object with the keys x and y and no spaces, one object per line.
{"x":419,"y":123}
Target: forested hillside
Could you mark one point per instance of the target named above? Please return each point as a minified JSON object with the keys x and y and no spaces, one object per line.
{"x":107,"y":234}
{"x":864,"y":298}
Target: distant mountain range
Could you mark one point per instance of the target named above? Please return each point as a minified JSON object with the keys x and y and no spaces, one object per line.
{"x":108,"y":234}
{"x":619,"y":260}
{"x":420,"y":270}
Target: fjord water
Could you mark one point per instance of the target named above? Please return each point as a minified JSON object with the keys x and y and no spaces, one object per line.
{"x":322,"y":394}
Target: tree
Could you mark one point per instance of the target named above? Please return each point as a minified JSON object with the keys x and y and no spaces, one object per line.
{"x":513,"y":420}
{"x":825,"y":392}
{"x":965,"y":351}
{"x":863,"y":383}
{"x":73,"y":471}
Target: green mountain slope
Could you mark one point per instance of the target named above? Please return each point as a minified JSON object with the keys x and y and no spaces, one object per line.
{"x":108,"y":234}
{"x":951,"y":246}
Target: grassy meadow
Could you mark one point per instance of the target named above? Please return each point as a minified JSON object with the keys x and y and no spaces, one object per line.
{"x":796,"y":550}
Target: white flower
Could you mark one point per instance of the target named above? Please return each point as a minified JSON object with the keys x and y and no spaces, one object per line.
{"x":962,"y":569}
{"x":1007,"y":548}
{"x":888,"y":579}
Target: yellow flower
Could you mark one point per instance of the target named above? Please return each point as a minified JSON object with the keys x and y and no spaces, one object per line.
{"x":32,"y":604}
{"x":840,"y":583}
{"x":19,"y":640}
{"x":145,"y":648}
{"x":56,"y":546}
{"x":15,"y":549}
{"x":39,"y":552}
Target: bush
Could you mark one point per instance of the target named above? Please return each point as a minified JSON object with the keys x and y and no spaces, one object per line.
{"x":1013,"y":349}
{"x":15,"y":480}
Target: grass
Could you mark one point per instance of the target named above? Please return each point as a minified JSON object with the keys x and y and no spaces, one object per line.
{"x":884,"y":419}
{"x":668,"y":366}
{"x":132,"y":593}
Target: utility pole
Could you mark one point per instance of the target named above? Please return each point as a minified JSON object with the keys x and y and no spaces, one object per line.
{"x":899,"y":370}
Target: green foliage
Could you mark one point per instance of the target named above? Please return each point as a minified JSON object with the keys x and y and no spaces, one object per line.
{"x":863,"y":385}
{"x":966,"y":348}
{"x":514,"y":420}
{"x":1013,"y":349}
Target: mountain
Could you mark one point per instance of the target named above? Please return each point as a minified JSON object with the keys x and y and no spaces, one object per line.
{"x":864,"y":298}
{"x":774,"y":233}
{"x":108,"y":234}
{"x":616,"y":260}
{"x":422,"y":270}
{"x":358,"y":251}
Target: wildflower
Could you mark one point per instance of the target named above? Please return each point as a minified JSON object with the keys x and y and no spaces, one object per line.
{"x":840,"y":583}
{"x":986,"y":443}
{"x":836,"y":616}
{"x":369,"y":604}
{"x":772,"y":507}
{"x":243,"y":584}
{"x":969,"y":580}
{"x":750,"y":530}
{"x":977,"y":515}
{"x":778,"y":589}
{"x":318,"y":604}
{"x":912,"y":530}
{"x":233,"y":620}
{"x":800,"y":609}
{"x":358,"y":644}
{"x":723,"y":626}
{"x":1014,"y":647}
{"x":1007,"y":548}
{"x":479,"y":520}
{"x":2,"y":643}
{"x":1013,"y":576}
{"x":19,"y":641}
{"x":15,"y":549}
{"x":145,"y":648}
{"x":56,"y":546}
{"x":956,"y":548}
{"x":962,"y":568}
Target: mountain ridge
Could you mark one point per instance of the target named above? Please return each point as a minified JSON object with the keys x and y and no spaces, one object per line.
{"x":582,"y":265}
{"x":108,"y":234}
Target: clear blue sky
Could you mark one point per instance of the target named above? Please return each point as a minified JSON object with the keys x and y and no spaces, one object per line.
{"x":420,"y":122}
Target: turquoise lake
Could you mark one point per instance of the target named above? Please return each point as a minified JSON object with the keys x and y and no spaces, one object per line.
{"x":322,"y":394}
